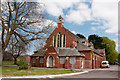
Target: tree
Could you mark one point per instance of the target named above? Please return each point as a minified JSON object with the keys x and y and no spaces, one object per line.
{"x":109,"y":45}
{"x":81,"y":36}
{"x":96,"y":40}
{"x":16,"y":48}
{"x":111,"y":53}
{"x":24,"y":20}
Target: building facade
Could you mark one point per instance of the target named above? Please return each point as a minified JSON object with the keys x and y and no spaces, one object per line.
{"x":63,"y":49}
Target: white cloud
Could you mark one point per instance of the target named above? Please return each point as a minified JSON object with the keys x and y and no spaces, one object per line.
{"x":55,"y":7}
{"x":107,"y":11}
{"x":50,"y":22}
{"x":93,"y":28}
{"x":74,"y":32}
{"x":45,"y":23}
{"x":80,"y":15}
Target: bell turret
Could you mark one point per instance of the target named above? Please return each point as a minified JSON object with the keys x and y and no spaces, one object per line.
{"x":60,"y":21}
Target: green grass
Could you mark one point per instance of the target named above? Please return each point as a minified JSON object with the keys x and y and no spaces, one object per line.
{"x":7,"y":62}
{"x":0,"y":71}
{"x":13,"y":71}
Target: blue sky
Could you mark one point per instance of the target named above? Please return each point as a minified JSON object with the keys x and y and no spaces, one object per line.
{"x":85,"y":17}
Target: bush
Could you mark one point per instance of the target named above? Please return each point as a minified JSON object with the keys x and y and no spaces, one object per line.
{"x":22,"y":63}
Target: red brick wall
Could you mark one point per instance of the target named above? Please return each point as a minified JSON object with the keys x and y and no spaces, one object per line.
{"x":37,"y":64}
{"x":69,"y":38}
{"x":56,"y":63}
{"x":98,"y":60}
{"x":78,"y":63}
{"x":88,"y":61}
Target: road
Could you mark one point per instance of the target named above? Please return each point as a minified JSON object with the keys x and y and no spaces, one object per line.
{"x":111,"y":72}
{"x":97,"y":74}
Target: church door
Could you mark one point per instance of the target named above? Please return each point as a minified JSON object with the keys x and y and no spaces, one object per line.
{"x":51,"y":61}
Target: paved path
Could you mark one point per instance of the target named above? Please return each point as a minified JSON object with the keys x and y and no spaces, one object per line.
{"x":97,"y":74}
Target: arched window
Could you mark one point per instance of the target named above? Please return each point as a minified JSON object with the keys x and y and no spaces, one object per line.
{"x":59,"y":40}
{"x":54,"y":41}
{"x":64,"y":41}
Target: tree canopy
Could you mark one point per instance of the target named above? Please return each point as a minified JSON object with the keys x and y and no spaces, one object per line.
{"x":109,"y":45}
{"x":111,"y":53}
{"x":96,"y":40}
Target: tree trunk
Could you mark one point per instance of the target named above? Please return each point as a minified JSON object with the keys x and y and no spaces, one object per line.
{"x":2,"y":54}
{"x":1,"y":57}
{"x":15,"y":60}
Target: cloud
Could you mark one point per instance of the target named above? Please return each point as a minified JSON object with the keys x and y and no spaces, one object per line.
{"x":93,"y":28}
{"x":55,"y":7}
{"x":79,"y":15}
{"x":106,"y":11}
{"x":45,"y":23}
{"x":74,"y":32}
{"x":50,"y":22}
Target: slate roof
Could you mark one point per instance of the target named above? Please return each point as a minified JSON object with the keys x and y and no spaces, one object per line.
{"x":82,"y":47}
{"x":69,"y":52}
{"x":39,"y":52}
{"x":99,"y":51}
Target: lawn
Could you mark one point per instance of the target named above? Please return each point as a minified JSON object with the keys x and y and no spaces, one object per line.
{"x":7,"y":62}
{"x":13,"y":71}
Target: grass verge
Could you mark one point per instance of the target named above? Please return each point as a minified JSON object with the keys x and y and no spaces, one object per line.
{"x":13,"y":71}
{"x":7,"y":62}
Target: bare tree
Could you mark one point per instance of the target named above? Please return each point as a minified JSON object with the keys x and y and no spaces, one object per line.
{"x":24,"y":20}
{"x":16,"y":48}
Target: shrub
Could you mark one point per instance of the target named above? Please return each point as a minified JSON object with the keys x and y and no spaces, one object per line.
{"x":23,"y":64}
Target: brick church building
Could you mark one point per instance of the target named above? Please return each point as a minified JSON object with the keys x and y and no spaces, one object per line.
{"x":63,"y":49}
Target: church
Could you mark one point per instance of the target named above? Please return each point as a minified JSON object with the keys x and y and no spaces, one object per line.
{"x":63,"y":49}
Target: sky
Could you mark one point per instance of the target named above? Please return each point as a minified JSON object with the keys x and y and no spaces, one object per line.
{"x":86,"y":17}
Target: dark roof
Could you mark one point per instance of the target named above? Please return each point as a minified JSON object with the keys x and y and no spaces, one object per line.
{"x":69,"y":52}
{"x":39,"y":52}
{"x":82,"y":47}
{"x":99,"y":51}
